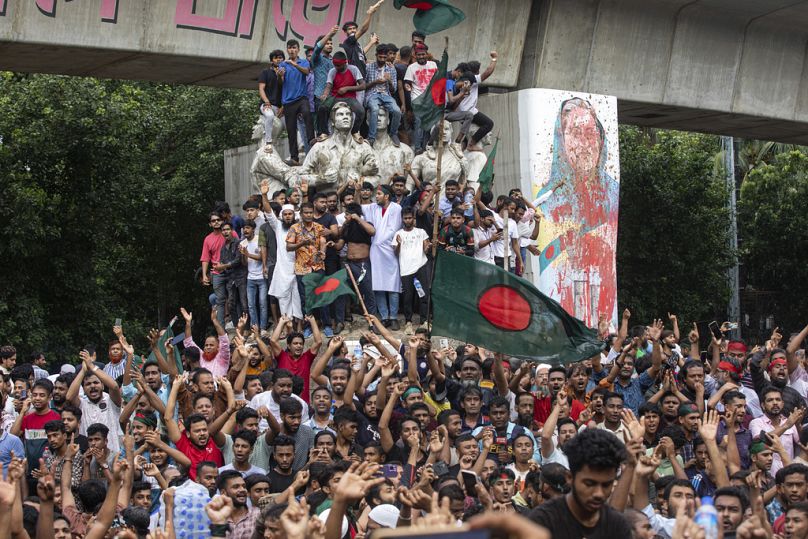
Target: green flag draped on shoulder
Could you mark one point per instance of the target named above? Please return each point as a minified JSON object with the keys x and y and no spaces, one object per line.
{"x":480,"y":303}
{"x":432,"y":16}
{"x":429,"y":105}
{"x":322,"y":290}
{"x":487,"y":174}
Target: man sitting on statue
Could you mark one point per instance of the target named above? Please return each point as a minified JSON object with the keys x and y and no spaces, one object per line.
{"x":381,"y":85}
{"x":343,"y":82}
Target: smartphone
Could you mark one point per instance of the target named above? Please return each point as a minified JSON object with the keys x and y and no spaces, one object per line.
{"x":440,"y":469}
{"x":118,"y":322}
{"x":24,"y":394}
{"x":178,"y":339}
{"x":444,"y":344}
{"x":390,"y":470}
{"x":715,"y":329}
{"x":469,"y":482}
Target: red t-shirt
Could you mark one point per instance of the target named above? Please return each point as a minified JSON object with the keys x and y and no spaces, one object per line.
{"x":211,"y":249}
{"x":209,"y":452}
{"x":543,"y":407}
{"x":33,"y":429}
{"x":300,"y":367}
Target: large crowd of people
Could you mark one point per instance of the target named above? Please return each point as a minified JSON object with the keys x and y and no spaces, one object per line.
{"x":281,"y":426}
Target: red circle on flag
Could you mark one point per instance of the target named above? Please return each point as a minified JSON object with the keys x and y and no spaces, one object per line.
{"x":439,"y":92}
{"x":550,"y":252}
{"x":505,"y":308}
{"x":329,"y":286}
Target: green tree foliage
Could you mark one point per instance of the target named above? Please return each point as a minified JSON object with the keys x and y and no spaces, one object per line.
{"x":672,"y":253}
{"x":774,"y":227}
{"x":106,"y":186}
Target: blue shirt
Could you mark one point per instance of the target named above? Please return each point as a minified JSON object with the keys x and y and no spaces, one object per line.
{"x":294,"y":82}
{"x":9,"y":443}
{"x":374,"y":72}
{"x":321,"y":64}
{"x":633,"y":393}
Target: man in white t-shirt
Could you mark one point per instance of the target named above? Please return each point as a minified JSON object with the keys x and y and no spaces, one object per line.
{"x":256,"y":279}
{"x":97,"y":406}
{"x":485,"y":235}
{"x":469,"y":103}
{"x":416,"y":79}
{"x":411,"y":245}
{"x":512,"y":235}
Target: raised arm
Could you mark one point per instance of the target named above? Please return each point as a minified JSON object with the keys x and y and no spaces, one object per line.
{"x":129,"y":409}
{"x":693,"y":337}
{"x":622,"y":333}
{"x":319,"y":365}
{"x":389,"y":337}
{"x":675,"y":325}
{"x":655,"y":331}
{"x":386,"y":437}
{"x":106,"y":514}
{"x":368,"y":17}
{"x":172,"y":428}
{"x":499,"y":376}
{"x":72,"y":395}
{"x":129,"y":352}
{"x":708,"y":431}
{"x":266,"y":351}
{"x":491,"y":66}
{"x":166,"y":366}
{"x":275,"y":338}
{"x":152,"y":437}
{"x":793,"y":346}
{"x":317,"y":336}
{"x":547,"y":431}
{"x":111,"y":385}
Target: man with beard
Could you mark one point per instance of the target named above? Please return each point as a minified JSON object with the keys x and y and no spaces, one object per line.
{"x":60,"y":387}
{"x":202,"y":385}
{"x":215,"y":355}
{"x":96,"y":405}
{"x":280,"y":475}
{"x":295,"y":358}
{"x":679,"y":497}
{"x":368,"y":429}
{"x":339,"y":375}
{"x":694,"y":388}
{"x":669,"y":405}
{"x":195,"y":441}
{"x":556,"y":381}
{"x":734,"y":413}
{"x":385,"y":216}
{"x":451,"y":425}
{"x":55,"y":455}
{"x":321,"y":419}
{"x":504,"y":431}
{"x":727,"y":376}
{"x":268,"y":402}
{"x":731,"y":504}
{"x":774,"y":422}
{"x":242,"y":519}
{"x":793,"y":391}
{"x":792,"y":488}
{"x":621,"y":374}
{"x":525,"y":404}
{"x":595,"y":457}
{"x":283,"y":286}
{"x":291,"y":426}
{"x":206,"y":474}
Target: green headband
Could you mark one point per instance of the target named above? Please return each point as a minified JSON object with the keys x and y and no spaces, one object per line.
{"x":757,"y":447}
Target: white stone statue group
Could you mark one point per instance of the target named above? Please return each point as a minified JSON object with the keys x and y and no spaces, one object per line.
{"x":341,"y":157}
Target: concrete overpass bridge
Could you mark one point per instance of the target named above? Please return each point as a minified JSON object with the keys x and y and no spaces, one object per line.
{"x":734,"y":67}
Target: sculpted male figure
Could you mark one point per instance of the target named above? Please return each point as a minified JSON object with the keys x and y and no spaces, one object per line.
{"x":391,"y":159}
{"x":341,"y":157}
{"x":454,"y":166}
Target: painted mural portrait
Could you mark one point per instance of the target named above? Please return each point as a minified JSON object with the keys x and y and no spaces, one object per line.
{"x":580,"y":217}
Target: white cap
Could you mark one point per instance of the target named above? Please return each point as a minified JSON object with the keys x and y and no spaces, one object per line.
{"x":385,"y":515}
{"x":67,"y":368}
{"x":324,"y":518}
{"x":542,"y":367}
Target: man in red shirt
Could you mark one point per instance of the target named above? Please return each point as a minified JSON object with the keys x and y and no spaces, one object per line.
{"x":31,"y":426}
{"x":343,"y":83}
{"x":557,"y":380}
{"x":294,"y":358}
{"x":195,"y":441}
{"x":211,"y":249}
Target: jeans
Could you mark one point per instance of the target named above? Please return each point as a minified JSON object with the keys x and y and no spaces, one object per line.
{"x":387,"y":304}
{"x":258,"y":309}
{"x":290,"y":113}
{"x":236,"y":297}
{"x":364,"y":280}
{"x":410,"y":295}
{"x":485,"y":125}
{"x":464,"y":117}
{"x":268,"y":112}
{"x":420,"y":136}
{"x":324,"y":112}
{"x":374,"y":103}
{"x":219,"y":283}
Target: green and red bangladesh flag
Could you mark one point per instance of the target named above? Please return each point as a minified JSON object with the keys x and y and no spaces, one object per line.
{"x":322,"y":290}
{"x":429,"y":105}
{"x":487,"y":174}
{"x":432,"y":16}
{"x":482,"y":304}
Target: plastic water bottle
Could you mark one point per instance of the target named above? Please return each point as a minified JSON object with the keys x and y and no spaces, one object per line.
{"x":418,"y":288}
{"x":707,"y":518}
{"x":357,"y":351}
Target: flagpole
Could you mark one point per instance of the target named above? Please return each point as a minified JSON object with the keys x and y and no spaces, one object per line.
{"x":356,"y":287}
{"x":436,"y":216}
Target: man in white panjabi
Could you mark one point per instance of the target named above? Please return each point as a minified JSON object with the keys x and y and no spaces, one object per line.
{"x":284,"y":283}
{"x":386,"y":218}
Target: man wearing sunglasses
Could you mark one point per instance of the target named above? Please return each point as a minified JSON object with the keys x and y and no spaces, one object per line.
{"x":211,"y":250}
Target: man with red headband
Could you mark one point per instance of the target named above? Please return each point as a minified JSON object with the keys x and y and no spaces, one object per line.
{"x":343,"y":83}
{"x":773,"y":422}
{"x":794,"y":392}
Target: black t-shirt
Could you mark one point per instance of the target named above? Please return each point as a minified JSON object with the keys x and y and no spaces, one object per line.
{"x":355,"y":54}
{"x":401,"y":70}
{"x":556,"y":516}
{"x":327,"y":220}
{"x":278,"y":482}
{"x":353,"y":232}
{"x":367,"y":431}
{"x":272,"y":88}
